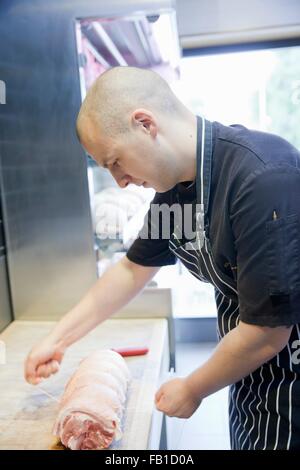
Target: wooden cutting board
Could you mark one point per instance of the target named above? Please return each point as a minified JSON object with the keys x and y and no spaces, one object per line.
{"x":27,"y":414}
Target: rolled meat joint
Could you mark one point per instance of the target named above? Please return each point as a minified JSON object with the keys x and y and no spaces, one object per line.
{"x":92,"y":406}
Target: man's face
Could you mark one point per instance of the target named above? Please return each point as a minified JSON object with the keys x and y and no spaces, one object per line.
{"x":135,"y":158}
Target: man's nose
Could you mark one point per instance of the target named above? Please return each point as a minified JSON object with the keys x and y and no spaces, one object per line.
{"x":122,"y":180}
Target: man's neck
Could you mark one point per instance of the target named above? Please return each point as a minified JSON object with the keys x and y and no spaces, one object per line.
{"x":188,"y":149}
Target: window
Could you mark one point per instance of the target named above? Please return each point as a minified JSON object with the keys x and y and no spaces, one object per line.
{"x":259,"y":89}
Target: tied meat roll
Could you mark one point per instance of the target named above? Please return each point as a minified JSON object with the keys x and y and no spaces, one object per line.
{"x":93,"y":402}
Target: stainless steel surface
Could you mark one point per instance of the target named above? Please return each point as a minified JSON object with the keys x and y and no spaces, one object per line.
{"x":45,"y":191}
{"x":5,"y":309}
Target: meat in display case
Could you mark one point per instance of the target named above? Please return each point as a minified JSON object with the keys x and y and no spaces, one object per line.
{"x":141,"y":40}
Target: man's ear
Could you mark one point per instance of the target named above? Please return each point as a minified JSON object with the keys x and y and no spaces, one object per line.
{"x":146,"y":120}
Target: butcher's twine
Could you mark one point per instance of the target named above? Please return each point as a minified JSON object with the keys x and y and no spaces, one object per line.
{"x":47,"y":393}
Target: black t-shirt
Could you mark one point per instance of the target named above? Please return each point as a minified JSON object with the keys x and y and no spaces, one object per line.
{"x":254,"y":215}
{"x":155,"y":252}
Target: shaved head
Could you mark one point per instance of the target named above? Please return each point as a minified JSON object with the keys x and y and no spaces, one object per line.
{"x":133,"y":124}
{"x":117,"y":93}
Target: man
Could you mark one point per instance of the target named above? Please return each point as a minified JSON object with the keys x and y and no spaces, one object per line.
{"x":244,"y":189}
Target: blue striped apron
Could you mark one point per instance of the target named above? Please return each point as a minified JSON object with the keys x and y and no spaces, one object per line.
{"x":261,"y":406}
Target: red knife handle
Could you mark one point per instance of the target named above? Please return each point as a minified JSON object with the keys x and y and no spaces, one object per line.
{"x":131,"y":351}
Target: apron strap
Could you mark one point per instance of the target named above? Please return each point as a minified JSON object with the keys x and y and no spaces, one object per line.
{"x":204,"y":164}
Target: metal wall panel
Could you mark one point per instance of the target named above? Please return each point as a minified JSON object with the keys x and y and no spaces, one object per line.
{"x":5,"y":306}
{"x":45,"y":190}
{"x":5,"y":309}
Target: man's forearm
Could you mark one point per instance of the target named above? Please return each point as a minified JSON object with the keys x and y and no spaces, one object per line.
{"x":239,"y":353}
{"x":113,"y":290}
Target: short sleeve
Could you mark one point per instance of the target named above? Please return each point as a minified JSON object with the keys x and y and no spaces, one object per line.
{"x":151,"y":248}
{"x":265,"y":222}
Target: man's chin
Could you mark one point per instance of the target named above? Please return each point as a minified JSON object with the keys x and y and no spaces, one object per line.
{"x":162,"y":190}
{"x":157,"y":188}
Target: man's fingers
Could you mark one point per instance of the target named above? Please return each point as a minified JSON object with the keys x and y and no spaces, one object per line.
{"x":45,"y":370}
{"x":40,"y":371}
{"x":159,"y":394}
{"x":29,"y":369}
{"x":54,"y":367}
{"x":159,"y":407}
{"x":34,"y":380}
{"x":160,"y":402}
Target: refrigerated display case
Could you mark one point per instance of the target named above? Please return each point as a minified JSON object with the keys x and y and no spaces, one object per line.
{"x":141,"y":40}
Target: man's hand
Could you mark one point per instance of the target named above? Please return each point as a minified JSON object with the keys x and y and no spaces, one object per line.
{"x":43,"y":361}
{"x":239,"y":353}
{"x":174,"y":398}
